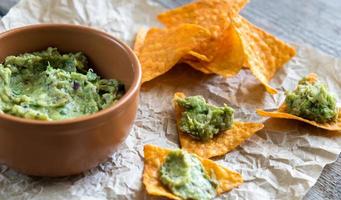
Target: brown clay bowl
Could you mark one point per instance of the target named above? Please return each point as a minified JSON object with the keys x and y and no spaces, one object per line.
{"x":67,"y":147}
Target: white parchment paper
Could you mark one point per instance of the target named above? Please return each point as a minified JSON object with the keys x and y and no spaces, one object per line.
{"x":281,"y":162}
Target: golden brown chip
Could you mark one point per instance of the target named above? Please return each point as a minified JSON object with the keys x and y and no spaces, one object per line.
{"x":163,"y":48}
{"x":226,"y":55}
{"x":139,"y":40}
{"x":265,"y":54}
{"x":221,"y":54}
{"x":282,"y":113}
{"x":155,"y":156}
{"x":220,"y":144}
{"x":214,"y":15}
{"x":312,"y":78}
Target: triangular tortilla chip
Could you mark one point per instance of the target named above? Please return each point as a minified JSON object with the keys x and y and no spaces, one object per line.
{"x":226,"y":52}
{"x":155,"y":156}
{"x":282,"y":113}
{"x":163,"y":48}
{"x":220,"y":144}
{"x":215,"y":15}
{"x":223,"y":54}
{"x":265,"y":53}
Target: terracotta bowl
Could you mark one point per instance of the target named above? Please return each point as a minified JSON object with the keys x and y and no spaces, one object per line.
{"x":66,"y":147}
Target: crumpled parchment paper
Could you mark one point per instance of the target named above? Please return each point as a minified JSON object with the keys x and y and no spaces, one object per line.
{"x":281,"y":162}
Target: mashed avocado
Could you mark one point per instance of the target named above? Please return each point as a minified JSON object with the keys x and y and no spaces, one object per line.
{"x":202,"y":120}
{"x":312,"y":101}
{"x":184,"y":175}
{"x":48,"y":85}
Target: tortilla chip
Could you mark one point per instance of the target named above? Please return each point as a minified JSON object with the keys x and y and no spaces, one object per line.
{"x":139,"y":40}
{"x":221,"y":53}
{"x":312,"y":78}
{"x":265,"y":53}
{"x":215,"y":15}
{"x":282,"y":113}
{"x":155,"y":156}
{"x":335,"y":126}
{"x":226,"y":55}
{"x":220,"y":144}
{"x":163,"y":48}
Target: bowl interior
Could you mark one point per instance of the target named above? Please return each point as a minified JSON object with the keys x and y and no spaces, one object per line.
{"x":108,"y":57}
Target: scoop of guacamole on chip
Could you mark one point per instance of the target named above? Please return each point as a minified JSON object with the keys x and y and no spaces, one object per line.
{"x":311,"y":100}
{"x":202,"y":120}
{"x":48,"y":85}
{"x":184,"y":175}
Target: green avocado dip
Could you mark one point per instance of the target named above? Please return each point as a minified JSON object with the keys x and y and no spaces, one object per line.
{"x":202,"y":120}
{"x":311,"y":100}
{"x":184,"y":175}
{"x":48,"y":85}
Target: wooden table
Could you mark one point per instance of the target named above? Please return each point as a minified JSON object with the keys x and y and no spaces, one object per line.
{"x":314,"y":22}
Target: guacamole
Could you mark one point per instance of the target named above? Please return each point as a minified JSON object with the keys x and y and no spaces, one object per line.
{"x":312,"y":101}
{"x":202,"y":120}
{"x":184,"y":175}
{"x":48,"y":85}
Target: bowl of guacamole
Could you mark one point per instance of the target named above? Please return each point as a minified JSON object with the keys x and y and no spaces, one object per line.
{"x":68,"y":97}
{"x":49,"y":85}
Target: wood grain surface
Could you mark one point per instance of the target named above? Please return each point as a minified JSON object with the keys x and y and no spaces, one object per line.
{"x":314,"y":22}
